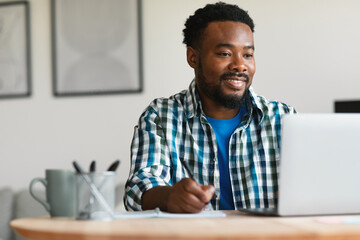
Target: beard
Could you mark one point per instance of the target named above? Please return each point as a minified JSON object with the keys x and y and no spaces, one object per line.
{"x":215,"y":93}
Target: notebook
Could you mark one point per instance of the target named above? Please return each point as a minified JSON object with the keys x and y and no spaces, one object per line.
{"x":319,"y":172}
{"x":157,"y":213}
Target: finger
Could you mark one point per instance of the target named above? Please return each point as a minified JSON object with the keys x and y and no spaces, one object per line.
{"x":184,"y":197}
{"x":190,"y":203}
{"x":209,"y":190}
{"x":182,"y":201}
{"x":192,"y":187}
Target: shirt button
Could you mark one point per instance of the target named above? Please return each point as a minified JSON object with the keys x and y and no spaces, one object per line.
{"x":214,"y":160}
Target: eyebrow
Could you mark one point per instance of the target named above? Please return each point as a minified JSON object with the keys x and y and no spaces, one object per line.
{"x":231,"y":46}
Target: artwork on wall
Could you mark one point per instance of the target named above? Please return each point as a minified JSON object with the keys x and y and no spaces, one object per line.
{"x":15,"y":75}
{"x":96,"y":47}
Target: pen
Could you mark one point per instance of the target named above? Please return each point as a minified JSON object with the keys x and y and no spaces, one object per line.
{"x":114,"y":166}
{"x":92,"y":169}
{"x":92,"y":166}
{"x":188,"y":170}
{"x":192,"y":177}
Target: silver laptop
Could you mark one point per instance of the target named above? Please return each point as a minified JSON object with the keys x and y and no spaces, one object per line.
{"x":319,"y":166}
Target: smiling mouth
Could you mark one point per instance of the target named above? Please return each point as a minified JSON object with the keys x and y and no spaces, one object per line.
{"x":235,"y":76}
{"x":236,"y":80}
{"x":235,"y":84}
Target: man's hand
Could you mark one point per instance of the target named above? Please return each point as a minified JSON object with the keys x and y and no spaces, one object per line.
{"x":185,"y":196}
{"x":188,"y":196}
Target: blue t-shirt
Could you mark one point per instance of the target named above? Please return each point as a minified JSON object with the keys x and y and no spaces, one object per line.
{"x":223,"y":129}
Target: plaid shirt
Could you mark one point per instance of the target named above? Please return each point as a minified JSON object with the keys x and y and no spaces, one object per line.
{"x":174,"y":129}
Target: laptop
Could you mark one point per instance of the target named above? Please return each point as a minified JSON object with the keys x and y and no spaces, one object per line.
{"x":319,"y":172}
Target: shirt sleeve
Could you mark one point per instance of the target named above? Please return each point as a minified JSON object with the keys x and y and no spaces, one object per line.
{"x":150,"y":160}
{"x":292,"y":110}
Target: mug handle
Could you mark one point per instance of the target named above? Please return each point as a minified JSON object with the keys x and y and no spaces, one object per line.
{"x":42,"y":201}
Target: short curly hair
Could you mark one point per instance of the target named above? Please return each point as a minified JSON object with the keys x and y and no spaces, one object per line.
{"x":220,"y":11}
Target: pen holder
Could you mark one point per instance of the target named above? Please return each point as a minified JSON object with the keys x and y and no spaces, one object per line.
{"x":95,"y":195}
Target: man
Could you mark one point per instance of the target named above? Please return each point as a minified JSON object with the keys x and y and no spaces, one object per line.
{"x":227,"y":135}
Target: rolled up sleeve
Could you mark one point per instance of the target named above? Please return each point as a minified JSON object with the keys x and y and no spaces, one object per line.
{"x":150,"y":160}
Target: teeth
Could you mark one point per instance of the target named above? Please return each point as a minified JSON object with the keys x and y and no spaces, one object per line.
{"x":233,"y":80}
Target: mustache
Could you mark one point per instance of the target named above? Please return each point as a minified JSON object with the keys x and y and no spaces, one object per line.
{"x":234,"y":74}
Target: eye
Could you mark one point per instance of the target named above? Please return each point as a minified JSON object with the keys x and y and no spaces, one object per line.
{"x":248,"y":55}
{"x":224,"y":54}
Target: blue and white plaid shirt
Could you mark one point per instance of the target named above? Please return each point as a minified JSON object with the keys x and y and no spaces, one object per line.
{"x":174,"y":129}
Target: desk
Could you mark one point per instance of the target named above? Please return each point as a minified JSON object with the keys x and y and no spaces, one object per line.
{"x":235,"y":226}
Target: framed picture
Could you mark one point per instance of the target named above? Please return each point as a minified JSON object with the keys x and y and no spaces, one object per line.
{"x":15,"y":75}
{"x":96,"y":47}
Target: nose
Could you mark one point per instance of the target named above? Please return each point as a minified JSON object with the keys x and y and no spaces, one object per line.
{"x":237,"y":64}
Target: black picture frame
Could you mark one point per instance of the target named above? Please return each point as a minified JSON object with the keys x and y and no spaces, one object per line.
{"x":15,"y":53}
{"x":98,"y":51}
{"x":347,"y":106}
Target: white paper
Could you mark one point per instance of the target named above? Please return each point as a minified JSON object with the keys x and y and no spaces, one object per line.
{"x":156,"y":213}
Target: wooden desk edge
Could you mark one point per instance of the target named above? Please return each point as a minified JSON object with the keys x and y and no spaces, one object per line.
{"x":294,"y":230}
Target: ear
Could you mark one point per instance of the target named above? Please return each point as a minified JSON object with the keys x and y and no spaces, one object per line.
{"x":192,"y":56}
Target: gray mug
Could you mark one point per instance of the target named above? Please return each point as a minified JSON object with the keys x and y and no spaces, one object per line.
{"x":60,"y":188}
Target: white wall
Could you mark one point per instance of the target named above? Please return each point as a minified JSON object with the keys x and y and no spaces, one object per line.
{"x":306,"y":51}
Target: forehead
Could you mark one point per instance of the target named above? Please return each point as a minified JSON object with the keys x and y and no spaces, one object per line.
{"x":227,"y":32}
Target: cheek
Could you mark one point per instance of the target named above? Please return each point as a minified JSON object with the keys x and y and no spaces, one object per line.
{"x":211,"y":71}
{"x":215,"y":68}
{"x":252,"y":69}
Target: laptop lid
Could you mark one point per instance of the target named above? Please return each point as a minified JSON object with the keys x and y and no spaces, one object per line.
{"x":320,"y":164}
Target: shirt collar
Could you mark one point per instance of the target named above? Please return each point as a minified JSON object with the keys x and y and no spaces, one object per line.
{"x":256,"y":105}
{"x":193,"y":105}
